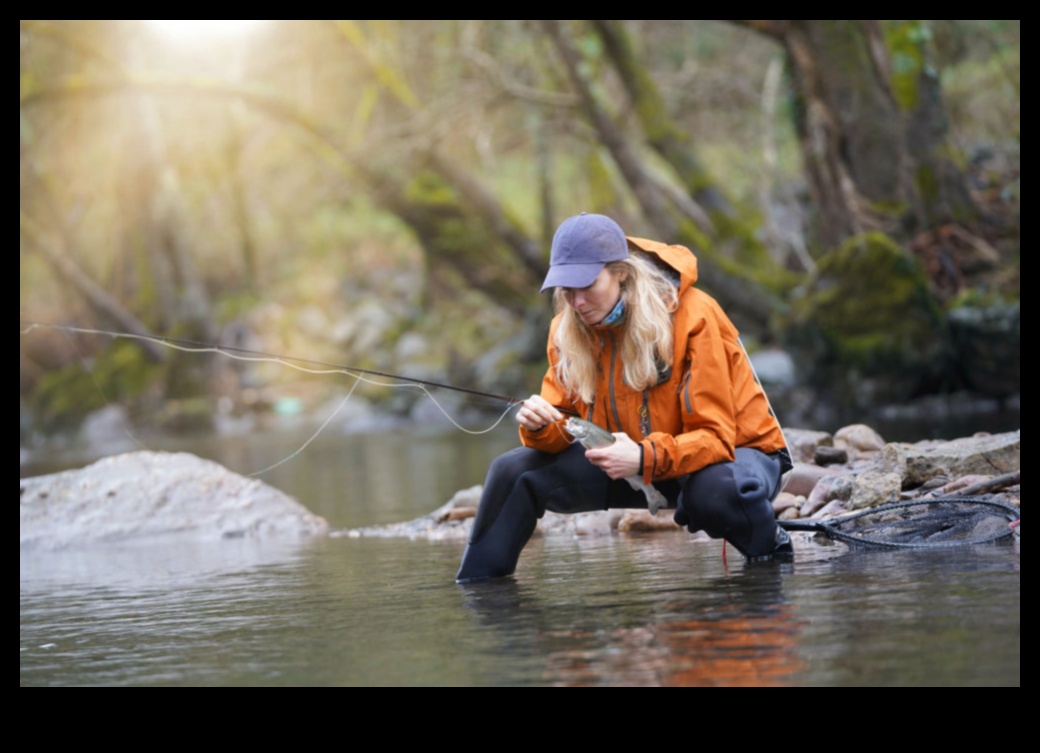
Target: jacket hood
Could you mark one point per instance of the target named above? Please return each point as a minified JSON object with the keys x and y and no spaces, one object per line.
{"x":679,"y":258}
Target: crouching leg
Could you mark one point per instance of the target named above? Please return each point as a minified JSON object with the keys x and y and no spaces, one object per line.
{"x":521,"y":484}
{"x":733,"y":501}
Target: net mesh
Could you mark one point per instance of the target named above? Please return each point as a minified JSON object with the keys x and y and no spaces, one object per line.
{"x":923,"y":523}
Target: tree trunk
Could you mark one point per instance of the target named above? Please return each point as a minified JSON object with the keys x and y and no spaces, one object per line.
{"x":484,"y":203}
{"x":102,"y":303}
{"x":458,"y":235}
{"x":663,"y":134}
{"x":651,"y":199}
{"x":873,"y":138}
{"x":738,"y":285}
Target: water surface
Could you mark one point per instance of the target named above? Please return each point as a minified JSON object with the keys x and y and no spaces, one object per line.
{"x":654,"y":610}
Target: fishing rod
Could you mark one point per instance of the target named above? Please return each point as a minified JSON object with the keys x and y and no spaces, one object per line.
{"x":196,"y":346}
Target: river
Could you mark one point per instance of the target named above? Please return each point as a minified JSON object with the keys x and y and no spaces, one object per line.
{"x":634,"y":610}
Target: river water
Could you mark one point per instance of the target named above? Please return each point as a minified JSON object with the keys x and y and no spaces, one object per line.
{"x":651,"y":609}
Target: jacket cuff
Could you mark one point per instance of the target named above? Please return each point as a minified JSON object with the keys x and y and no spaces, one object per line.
{"x":646,"y":453}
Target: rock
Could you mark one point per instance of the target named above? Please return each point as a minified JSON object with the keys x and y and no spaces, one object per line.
{"x":109,"y":424}
{"x":935,"y":482}
{"x":950,"y":488}
{"x":827,"y":489}
{"x":832,"y":509}
{"x":880,"y":476}
{"x":866,"y":330}
{"x":989,"y":455}
{"x":458,"y":513}
{"x":804,"y":477}
{"x":599,"y":523}
{"x":830,"y":456}
{"x":785,"y":501}
{"x":634,"y":521}
{"x":858,"y":440}
{"x":802,"y":443}
{"x":452,"y":521}
{"x":144,"y":495}
{"x":774,"y":367}
{"x":988,"y":343}
{"x":872,"y":489}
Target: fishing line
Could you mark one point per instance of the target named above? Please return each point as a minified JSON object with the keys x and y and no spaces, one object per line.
{"x":241,"y":354}
{"x":312,"y":437}
{"x":97,"y":385}
{"x":255,"y":355}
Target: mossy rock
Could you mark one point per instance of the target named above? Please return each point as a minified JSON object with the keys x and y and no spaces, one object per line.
{"x":988,"y":343}
{"x":866,"y":328}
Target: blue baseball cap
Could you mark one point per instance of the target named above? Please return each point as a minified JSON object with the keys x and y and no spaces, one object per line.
{"x":582,"y":246}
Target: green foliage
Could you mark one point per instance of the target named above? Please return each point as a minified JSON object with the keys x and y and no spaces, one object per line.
{"x":427,"y":188}
{"x":906,"y":41}
{"x":602,"y":182}
{"x":279,"y":204}
{"x":118,"y":374}
{"x":981,"y":297}
{"x":983,"y":92}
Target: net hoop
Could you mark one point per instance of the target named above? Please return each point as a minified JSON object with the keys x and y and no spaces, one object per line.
{"x":937,"y":528}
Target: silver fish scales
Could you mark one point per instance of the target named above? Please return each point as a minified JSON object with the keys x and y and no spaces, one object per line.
{"x":591,"y":437}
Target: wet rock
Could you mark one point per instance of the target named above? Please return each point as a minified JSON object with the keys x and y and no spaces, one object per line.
{"x":143,"y":495}
{"x":452,"y":521}
{"x":634,"y":521}
{"x":598,"y":523}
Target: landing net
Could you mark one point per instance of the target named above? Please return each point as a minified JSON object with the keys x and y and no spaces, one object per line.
{"x":943,"y":522}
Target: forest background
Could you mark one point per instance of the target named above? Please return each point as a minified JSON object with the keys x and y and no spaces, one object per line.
{"x":382,"y":194}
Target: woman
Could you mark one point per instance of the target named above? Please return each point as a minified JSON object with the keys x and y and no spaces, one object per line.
{"x":637,"y":349}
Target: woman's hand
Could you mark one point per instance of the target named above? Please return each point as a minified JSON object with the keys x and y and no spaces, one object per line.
{"x":537,"y":413}
{"x":620,"y":460}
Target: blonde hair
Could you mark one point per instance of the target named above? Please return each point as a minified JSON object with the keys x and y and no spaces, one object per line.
{"x":645,"y":333}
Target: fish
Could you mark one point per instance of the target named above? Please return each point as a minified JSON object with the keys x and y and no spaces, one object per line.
{"x":591,"y":437}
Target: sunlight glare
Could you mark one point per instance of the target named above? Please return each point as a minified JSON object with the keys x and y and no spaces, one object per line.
{"x":198,"y":30}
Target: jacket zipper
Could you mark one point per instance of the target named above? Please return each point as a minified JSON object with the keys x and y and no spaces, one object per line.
{"x":613,"y":397}
{"x":644,"y":414}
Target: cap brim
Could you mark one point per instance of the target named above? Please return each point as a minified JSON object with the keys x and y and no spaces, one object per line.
{"x":572,"y":275}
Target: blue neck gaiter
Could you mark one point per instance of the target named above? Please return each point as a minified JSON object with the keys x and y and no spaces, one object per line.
{"x":614,"y":317}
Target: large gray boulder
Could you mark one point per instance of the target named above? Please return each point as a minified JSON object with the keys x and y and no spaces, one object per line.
{"x":990,"y":454}
{"x":143,"y":495}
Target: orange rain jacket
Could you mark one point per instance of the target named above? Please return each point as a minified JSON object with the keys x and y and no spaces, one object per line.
{"x":710,"y":404}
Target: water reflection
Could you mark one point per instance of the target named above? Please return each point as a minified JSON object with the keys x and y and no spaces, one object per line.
{"x":646,"y":628}
{"x":667,"y":612}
